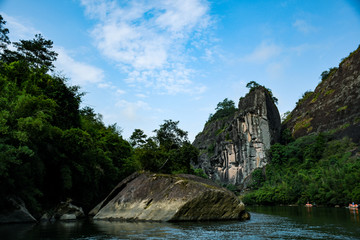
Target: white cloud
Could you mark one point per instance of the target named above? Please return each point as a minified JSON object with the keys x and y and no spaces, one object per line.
{"x":105,"y":85}
{"x":147,"y":38}
{"x":303,"y":26}
{"x":120,"y":92}
{"x":140,"y":95}
{"x":19,"y":31}
{"x":130,"y":109}
{"x":263,"y":53}
{"x":173,"y":81}
{"x":80,"y":73}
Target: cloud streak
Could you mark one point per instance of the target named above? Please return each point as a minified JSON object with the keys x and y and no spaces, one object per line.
{"x":148,"y":39}
{"x":303,"y":26}
{"x":263,"y":53}
{"x":17,"y":29}
{"x":130,"y":109}
{"x":81,"y":73}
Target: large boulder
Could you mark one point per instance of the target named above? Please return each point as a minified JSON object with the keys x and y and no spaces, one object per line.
{"x":162,"y":197}
{"x":17,"y":213}
{"x":65,"y":211}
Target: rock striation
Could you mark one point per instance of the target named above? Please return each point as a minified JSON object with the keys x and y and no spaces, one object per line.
{"x":233,"y":147}
{"x":163,"y":197}
{"x":333,"y":106}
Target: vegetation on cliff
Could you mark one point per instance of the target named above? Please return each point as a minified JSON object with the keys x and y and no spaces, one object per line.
{"x":252,"y":85}
{"x":333,"y":105}
{"x":223,"y":109}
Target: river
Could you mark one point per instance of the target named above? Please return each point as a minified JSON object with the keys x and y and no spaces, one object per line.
{"x":265,"y":223}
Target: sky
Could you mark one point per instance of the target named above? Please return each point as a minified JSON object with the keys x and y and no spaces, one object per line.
{"x":141,"y":62}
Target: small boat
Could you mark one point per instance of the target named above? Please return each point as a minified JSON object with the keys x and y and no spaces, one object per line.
{"x":308,"y":204}
{"x":353,"y":206}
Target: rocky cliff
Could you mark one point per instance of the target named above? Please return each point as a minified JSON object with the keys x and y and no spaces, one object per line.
{"x":163,"y":197}
{"x":232,"y":147}
{"x":333,"y":106}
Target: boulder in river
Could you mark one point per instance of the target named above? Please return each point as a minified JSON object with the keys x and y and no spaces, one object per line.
{"x":65,"y":211}
{"x":162,"y":197}
{"x":17,"y":212}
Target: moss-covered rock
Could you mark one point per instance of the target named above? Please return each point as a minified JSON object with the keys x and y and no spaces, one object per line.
{"x":334,"y":103}
{"x":162,"y":197}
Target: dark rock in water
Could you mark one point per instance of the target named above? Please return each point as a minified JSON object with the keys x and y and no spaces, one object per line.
{"x":65,"y":211}
{"x":18,"y":213}
{"x":162,"y":197}
{"x":232,"y":148}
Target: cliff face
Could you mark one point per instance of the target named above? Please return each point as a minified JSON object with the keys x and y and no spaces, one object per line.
{"x":231,"y":148}
{"x":333,"y":106}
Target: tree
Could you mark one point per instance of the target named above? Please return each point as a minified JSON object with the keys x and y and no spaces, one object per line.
{"x":223,"y":109}
{"x":252,"y":85}
{"x":226,"y":104}
{"x":138,"y":138}
{"x":37,"y":52}
{"x":170,"y":136}
{"x":258,"y":178}
{"x":169,"y":151}
{"x":4,"y":39}
{"x":277,"y":154}
{"x":325,"y":74}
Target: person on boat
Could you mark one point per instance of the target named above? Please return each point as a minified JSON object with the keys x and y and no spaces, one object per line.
{"x":353,"y":205}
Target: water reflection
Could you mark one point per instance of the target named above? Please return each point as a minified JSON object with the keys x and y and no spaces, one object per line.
{"x":333,"y":221}
{"x":265,"y":223}
{"x":140,"y":230}
{"x":15,"y":231}
{"x":354,"y":214}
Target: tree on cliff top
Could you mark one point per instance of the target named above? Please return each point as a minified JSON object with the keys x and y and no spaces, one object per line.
{"x":252,"y":85}
{"x":223,"y":109}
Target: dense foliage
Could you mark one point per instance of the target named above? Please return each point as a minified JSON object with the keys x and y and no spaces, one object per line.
{"x":252,"y":85}
{"x":50,"y":149}
{"x":223,"y":109}
{"x":169,"y":151}
{"x":313,"y":168}
{"x":327,"y":73}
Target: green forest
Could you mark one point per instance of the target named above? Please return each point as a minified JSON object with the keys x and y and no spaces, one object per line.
{"x":316,"y":168}
{"x":51,"y":149}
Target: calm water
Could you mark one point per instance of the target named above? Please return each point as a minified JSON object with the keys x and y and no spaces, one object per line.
{"x":265,"y":223}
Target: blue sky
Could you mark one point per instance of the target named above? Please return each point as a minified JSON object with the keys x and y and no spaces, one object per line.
{"x":143,"y":61}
